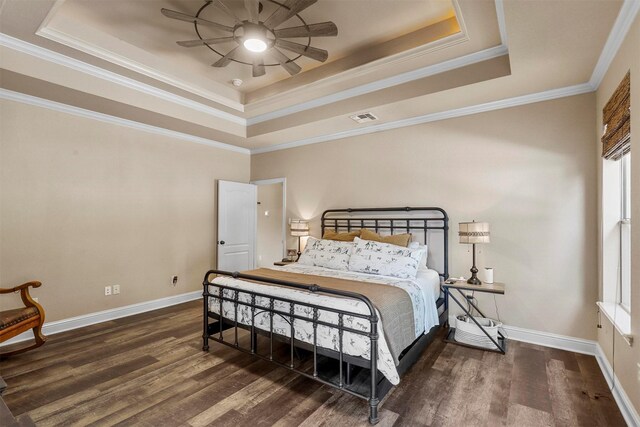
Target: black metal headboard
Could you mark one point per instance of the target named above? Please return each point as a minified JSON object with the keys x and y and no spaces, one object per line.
{"x":394,"y":221}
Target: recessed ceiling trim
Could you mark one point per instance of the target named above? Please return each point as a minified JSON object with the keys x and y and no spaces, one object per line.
{"x":502,"y":25}
{"x":58,"y":58}
{"x":104,"y":54}
{"x":77,"y":111}
{"x":619,"y":31}
{"x":409,"y":76}
{"x":432,"y":117}
{"x":370,"y":67}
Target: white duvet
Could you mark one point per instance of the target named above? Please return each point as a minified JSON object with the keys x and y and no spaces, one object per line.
{"x":422,"y":291}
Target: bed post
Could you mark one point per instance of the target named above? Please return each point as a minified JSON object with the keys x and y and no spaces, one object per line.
{"x":205,"y":314}
{"x":373,"y":399}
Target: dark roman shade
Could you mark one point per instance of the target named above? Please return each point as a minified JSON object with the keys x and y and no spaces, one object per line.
{"x":616,"y":118}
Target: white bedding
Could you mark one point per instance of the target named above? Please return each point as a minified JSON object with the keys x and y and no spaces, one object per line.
{"x":423,"y":291}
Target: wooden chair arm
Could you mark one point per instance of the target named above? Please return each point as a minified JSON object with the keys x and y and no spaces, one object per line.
{"x":25,"y":286}
{"x":26,"y":298}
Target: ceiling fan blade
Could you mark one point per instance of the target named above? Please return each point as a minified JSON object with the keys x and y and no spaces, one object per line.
{"x":226,"y":10}
{"x":253,"y":7}
{"x":322,"y":29}
{"x":291,"y":67}
{"x":258,"y":67}
{"x":225,"y":60}
{"x":188,"y":18}
{"x":203,"y":42}
{"x":304,"y":50}
{"x":282,"y":13}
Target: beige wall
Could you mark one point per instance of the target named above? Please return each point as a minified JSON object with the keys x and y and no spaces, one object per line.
{"x":627,"y":359}
{"x":269,"y":236}
{"x":529,"y":171}
{"x":85,"y":204}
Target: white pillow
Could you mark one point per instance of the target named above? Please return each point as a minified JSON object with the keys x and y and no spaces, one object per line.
{"x":423,"y":261}
{"x":385,"y":259}
{"x":327,"y":253}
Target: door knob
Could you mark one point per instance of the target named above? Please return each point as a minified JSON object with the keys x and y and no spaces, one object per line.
{"x":221,"y":242}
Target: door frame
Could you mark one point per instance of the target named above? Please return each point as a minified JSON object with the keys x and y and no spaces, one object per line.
{"x":259,"y":182}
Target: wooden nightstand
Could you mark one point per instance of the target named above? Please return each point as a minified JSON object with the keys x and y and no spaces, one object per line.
{"x":491,"y":288}
{"x":282,"y":263}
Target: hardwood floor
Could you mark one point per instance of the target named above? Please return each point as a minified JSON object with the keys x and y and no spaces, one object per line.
{"x":149,"y":370}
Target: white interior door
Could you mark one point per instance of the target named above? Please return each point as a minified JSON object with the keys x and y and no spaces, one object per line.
{"x":236,"y":225}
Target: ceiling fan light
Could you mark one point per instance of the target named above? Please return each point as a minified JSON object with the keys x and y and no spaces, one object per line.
{"x":255,"y":45}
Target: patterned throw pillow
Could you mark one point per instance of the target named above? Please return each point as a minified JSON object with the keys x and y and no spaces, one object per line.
{"x":385,"y":259}
{"x":327,"y":253}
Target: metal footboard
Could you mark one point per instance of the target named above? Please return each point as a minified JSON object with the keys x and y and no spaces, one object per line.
{"x":214,"y":330}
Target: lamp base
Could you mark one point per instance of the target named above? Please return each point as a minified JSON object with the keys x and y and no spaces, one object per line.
{"x":473,"y":280}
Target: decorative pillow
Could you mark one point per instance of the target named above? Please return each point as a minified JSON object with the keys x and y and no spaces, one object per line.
{"x":327,"y":253}
{"x":342,"y":237}
{"x":423,"y":261}
{"x":385,"y":259}
{"x":396,"y":239}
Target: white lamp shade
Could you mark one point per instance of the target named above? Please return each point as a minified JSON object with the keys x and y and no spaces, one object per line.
{"x":474,"y":232}
{"x":299,"y":227}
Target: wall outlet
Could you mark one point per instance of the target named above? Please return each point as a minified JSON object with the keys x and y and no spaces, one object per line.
{"x":116,"y":289}
{"x":35,"y":299}
{"x":174,"y":280}
{"x":107,"y":290}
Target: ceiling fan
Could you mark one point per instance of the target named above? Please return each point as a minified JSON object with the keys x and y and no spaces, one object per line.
{"x":260,"y":37}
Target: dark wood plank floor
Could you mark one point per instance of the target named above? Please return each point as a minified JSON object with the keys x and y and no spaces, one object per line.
{"x":149,"y":370}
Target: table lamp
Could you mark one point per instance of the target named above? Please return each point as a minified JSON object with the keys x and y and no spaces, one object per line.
{"x":472,"y":233}
{"x":299,"y":228}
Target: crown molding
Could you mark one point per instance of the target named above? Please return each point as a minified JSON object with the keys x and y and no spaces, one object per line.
{"x":113,"y":58}
{"x":432,"y":117}
{"x":57,"y":106}
{"x":364,"y":69}
{"x":619,"y":31}
{"x":57,"y":58}
{"x":398,"y":79}
{"x":502,"y":25}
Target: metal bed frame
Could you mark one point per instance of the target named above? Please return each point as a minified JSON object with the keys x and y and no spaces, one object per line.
{"x":430,"y":219}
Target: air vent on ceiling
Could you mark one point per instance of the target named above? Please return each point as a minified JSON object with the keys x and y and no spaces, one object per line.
{"x":363,"y":118}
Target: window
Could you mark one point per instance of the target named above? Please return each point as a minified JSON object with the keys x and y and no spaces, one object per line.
{"x":624,"y":294}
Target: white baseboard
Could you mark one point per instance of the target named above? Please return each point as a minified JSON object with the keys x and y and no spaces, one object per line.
{"x":63,"y":325}
{"x":624,"y":403}
{"x":548,"y":339}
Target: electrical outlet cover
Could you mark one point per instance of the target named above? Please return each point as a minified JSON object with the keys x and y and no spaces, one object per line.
{"x":107,"y":290}
{"x":116,"y":289}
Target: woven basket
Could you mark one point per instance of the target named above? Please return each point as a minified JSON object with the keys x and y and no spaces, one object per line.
{"x":468,"y":332}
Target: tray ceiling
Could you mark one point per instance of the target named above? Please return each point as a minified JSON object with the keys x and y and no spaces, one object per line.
{"x":406,"y":61}
{"x":137,"y":31}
